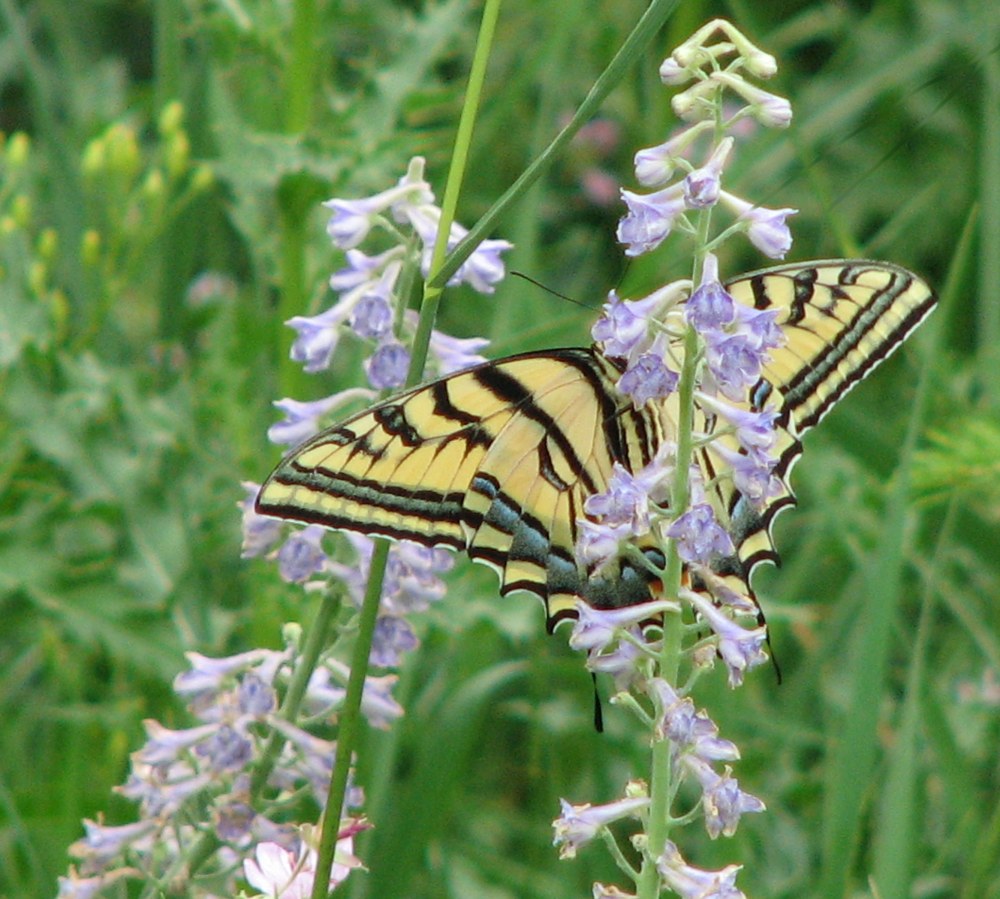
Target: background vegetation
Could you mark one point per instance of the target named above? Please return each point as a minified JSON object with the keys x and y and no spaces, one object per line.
{"x":159,"y":219}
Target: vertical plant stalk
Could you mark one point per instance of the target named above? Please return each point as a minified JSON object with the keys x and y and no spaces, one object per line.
{"x":661,"y":780}
{"x":449,"y":203}
{"x":302,"y":67}
{"x":349,"y":725}
{"x":350,"y":717}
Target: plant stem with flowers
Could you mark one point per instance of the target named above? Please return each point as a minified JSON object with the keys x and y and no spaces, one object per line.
{"x":695,"y":361}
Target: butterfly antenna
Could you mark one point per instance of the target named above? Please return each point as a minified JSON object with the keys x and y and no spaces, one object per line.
{"x":549,"y":290}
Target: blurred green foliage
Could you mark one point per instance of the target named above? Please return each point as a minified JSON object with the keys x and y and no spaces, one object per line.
{"x":159,"y":186}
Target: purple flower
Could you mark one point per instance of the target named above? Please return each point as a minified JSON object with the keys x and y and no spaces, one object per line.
{"x":317,"y":337}
{"x":690,"y":731}
{"x":626,"y":501}
{"x":481,"y":270}
{"x":622,"y":663}
{"x":710,"y":307}
{"x":388,"y":366}
{"x":762,"y":326}
{"x":233,"y":819}
{"x":412,"y":579}
{"x":301,"y":555}
{"x":648,"y":379}
{"x":377,"y":703}
{"x":393,"y":636}
{"x":734,"y":362}
{"x":103,"y":844}
{"x":699,"y":537}
{"x":208,"y":674}
{"x":351,"y":220}
{"x":702,"y":186}
{"x":619,"y":330}
{"x":596,"y":629}
{"x":226,"y":750}
{"x":76,"y":887}
{"x":165,"y":745}
{"x":693,"y":883}
{"x":753,"y":474}
{"x":371,"y":316}
{"x":741,"y":649}
{"x":650,"y":218}
{"x":451,"y":353}
{"x":723,"y":594}
{"x":598,"y":543}
{"x":302,"y":420}
{"x":484,"y":268}
{"x":722,"y":799}
{"x":254,"y":697}
{"x":579,"y":824}
{"x":363,"y":269}
{"x":766,"y":228}
{"x":769,"y":109}
{"x":754,"y":430}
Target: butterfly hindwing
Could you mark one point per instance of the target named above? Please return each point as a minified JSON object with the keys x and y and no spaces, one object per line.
{"x":500,"y":459}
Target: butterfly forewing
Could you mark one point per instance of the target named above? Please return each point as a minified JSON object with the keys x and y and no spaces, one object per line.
{"x":500,"y":459}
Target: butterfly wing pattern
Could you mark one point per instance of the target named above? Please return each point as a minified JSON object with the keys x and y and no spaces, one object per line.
{"x":499,"y":459}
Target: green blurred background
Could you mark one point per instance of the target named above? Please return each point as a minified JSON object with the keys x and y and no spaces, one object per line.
{"x":159,"y":219}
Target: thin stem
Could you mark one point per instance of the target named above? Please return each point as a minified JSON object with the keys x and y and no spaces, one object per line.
{"x":350,"y":721}
{"x":350,"y":718}
{"x":661,"y":780}
{"x":301,"y":67}
{"x":456,"y":174}
{"x":635,"y":44}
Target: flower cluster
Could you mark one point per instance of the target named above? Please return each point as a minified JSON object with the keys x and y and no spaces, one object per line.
{"x":206,"y":773}
{"x":371,"y":289}
{"x":229,"y":789}
{"x":694,"y":333}
{"x":651,"y":217}
{"x":372,"y":293}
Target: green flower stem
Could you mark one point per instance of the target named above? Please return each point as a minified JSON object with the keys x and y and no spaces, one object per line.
{"x":634,"y":48}
{"x":456,"y":173}
{"x":661,"y":785}
{"x":350,"y":717}
{"x":350,"y":721}
{"x":301,"y":67}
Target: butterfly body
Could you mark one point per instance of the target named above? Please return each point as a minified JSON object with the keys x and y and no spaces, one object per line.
{"x":499,"y":459}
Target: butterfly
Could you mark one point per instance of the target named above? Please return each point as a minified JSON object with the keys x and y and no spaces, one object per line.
{"x":498,"y":460}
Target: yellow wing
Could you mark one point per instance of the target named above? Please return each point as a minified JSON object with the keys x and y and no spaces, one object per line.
{"x":842,"y":318}
{"x":499,"y":459}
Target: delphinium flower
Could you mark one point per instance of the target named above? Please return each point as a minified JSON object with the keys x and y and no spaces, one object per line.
{"x":371,"y":290}
{"x":689,"y":338}
{"x":238,"y":786}
{"x":194,"y":784}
